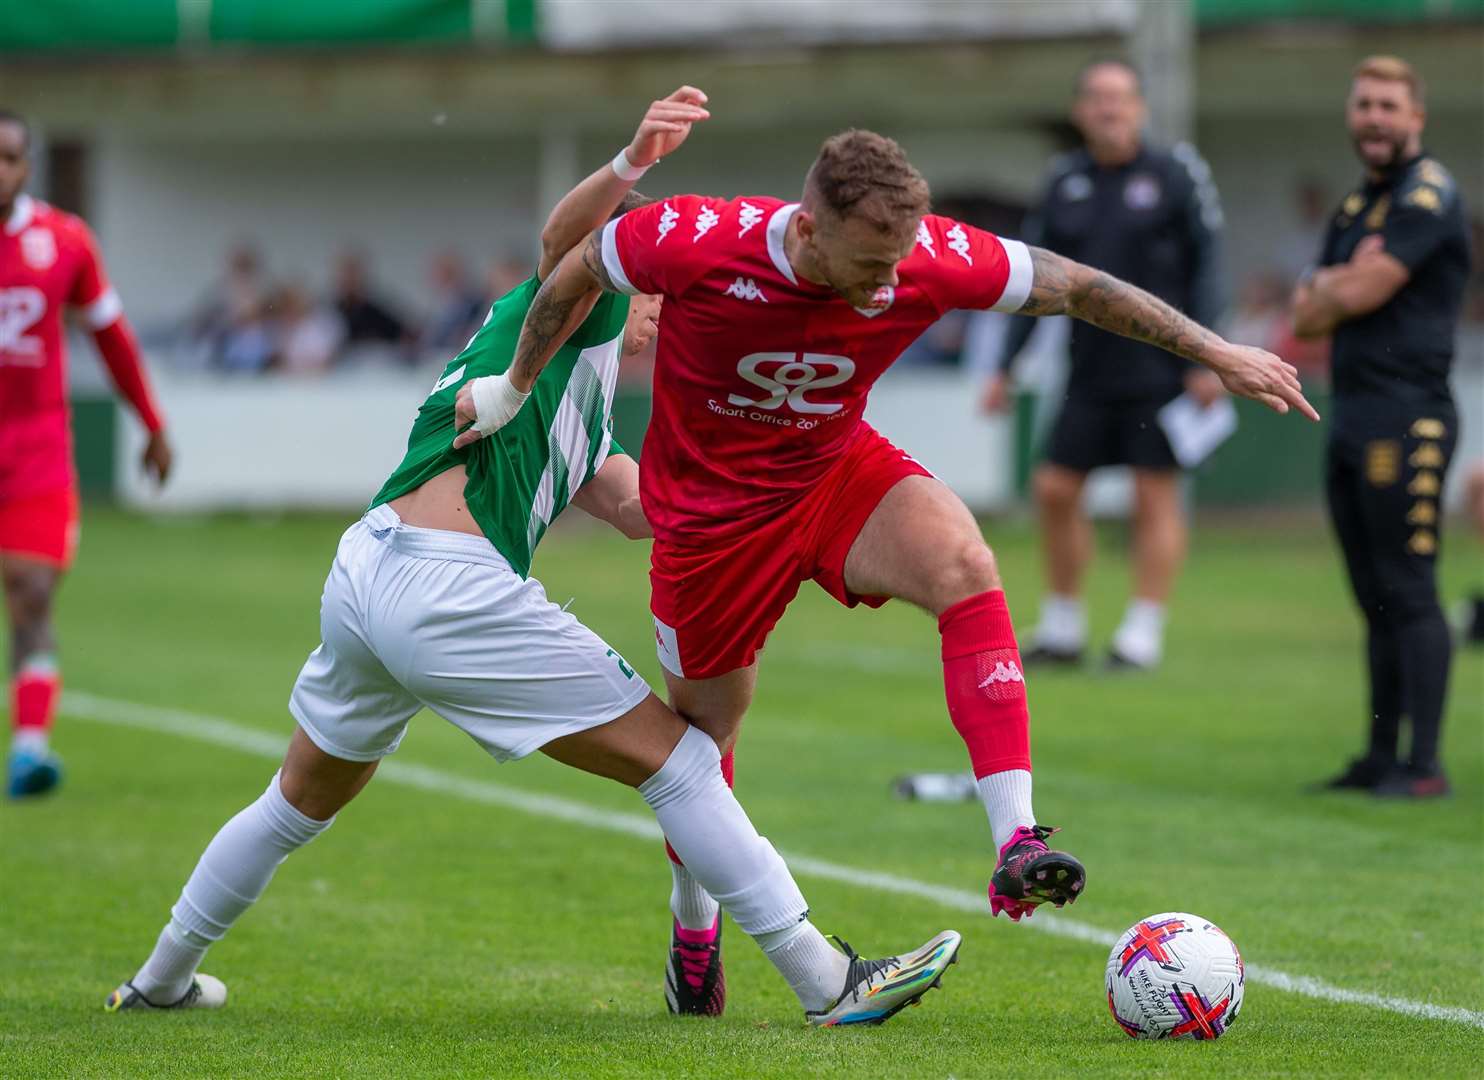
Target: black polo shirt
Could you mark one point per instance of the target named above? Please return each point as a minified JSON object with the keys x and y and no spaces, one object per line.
{"x":1404,"y":349}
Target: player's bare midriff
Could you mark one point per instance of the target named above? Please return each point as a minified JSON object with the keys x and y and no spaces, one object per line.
{"x":438,"y":504}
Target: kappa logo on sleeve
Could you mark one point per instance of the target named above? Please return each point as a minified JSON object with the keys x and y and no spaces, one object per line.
{"x":958,"y":243}
{"x":748,"y":216}
{"x":668,"y":217}
{"x":705,"y":221}
{"x":925,"y":239}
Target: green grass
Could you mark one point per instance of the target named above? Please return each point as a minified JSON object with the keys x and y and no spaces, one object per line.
{"x":429,"y":935}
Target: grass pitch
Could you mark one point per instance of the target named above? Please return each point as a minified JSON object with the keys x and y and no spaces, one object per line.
{"x":431,"y":934}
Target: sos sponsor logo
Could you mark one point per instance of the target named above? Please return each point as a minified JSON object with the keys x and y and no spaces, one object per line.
{"x":789,"y":379}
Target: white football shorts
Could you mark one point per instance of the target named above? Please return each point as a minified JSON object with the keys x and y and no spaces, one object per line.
{"x":414,"y":618}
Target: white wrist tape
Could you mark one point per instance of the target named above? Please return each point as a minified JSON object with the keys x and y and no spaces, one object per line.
{"x":626,"y":169}
{"x":496,"y":401}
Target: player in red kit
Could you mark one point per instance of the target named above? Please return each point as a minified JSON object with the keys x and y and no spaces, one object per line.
{"x":759,"y":472}
{"x":48,"y":261}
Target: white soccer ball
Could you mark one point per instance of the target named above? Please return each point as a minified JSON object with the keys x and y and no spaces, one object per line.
{"x":1175,"y":976}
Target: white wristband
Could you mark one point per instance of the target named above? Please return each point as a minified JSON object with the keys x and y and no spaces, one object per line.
{"x":496,"y":401}
{"x":626,"y":169}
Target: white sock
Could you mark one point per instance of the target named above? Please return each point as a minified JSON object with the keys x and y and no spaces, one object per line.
{"x":28,"y":739}
{"x":692,"y":906}
{"x":814,"y":969}
{"x":711,"y":833}
{"x":1140,"y":637}
{"x":1063,"y":624}
{"x":1007,"y":800}
{"x":232,"y":873}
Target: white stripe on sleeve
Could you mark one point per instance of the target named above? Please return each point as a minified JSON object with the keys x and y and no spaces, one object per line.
{"x":1018,"y":283}
{"x":104,"y":311}
{"x":611,"y":261}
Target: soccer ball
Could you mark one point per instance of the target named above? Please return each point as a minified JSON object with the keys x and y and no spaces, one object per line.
{"x":1175,"y":976}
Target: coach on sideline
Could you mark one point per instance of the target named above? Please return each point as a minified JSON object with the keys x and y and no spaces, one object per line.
{"x":1152,"y":217}
{"x":1389,"y":288}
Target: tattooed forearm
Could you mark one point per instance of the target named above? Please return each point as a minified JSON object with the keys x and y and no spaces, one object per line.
{"x":561,"y":303}
{"x":539,"y":334}
{"x":1063,"y":287}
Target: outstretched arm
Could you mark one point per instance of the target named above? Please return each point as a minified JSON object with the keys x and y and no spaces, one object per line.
{"x":1060,"y":286}
{"x":587,"y":206}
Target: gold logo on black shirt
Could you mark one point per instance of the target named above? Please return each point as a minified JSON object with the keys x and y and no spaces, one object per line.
{"x":1427,"y":428}
{"x":1423,"y":512}
{"x":1354,"y":203}
{"x":1424,"y":485}
{"x":1427,"y":198}
{"x":1383,"y":462}
{"x":1377,"y":217}
{"x":1430,"y":172}
{"x":1426,"y":456}
{"x":1423,"y":542}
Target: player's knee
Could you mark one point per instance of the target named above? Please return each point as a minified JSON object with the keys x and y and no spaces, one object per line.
{"x":1056,"y":489}
{"x":966,"y":568}
{"x":28,"y":595}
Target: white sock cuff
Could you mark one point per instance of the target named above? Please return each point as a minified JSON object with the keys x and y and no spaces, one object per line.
{"x":695,"y":758}
{"x":770,"y":941}
{"x":285,"y":821}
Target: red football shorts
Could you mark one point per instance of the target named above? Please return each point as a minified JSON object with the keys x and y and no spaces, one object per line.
{"x":715,"y":603}
{"x":41,"y":527}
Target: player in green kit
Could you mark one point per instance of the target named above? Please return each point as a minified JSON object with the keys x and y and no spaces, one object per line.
{"x":429,"y":603}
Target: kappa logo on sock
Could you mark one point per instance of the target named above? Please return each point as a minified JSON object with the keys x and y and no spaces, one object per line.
{"x":1003,"y":673}
{"x":999,"y":677}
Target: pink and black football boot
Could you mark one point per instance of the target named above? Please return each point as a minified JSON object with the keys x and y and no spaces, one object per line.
{"x":695,"y":984}
{"x":1029,"y":874}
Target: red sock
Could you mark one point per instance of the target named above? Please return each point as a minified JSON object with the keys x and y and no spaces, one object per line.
{"x":985,"y":683}
{"x":726,"y":774}
{"x":33,"y":697}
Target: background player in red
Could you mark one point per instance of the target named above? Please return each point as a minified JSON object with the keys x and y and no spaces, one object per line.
{"x":759,"y":472}
{"x":48,"y":261}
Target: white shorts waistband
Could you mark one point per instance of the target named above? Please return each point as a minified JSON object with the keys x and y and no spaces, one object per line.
{"x":384,"y":524}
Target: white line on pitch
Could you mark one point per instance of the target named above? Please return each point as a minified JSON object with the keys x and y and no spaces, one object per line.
{"x":264,"y":744}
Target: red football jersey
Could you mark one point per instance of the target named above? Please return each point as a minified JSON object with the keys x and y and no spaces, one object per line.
{"x":48,"y":260}
{"x":760,"y":378}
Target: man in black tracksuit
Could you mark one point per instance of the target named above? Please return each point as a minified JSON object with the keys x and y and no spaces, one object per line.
{"x":1152,"y":217}
{"x":1389,"y":288}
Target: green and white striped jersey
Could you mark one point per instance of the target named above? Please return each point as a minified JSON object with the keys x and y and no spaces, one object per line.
{"x":525,"y":474}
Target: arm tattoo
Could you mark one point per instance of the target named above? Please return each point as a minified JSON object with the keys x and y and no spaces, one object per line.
{"x":1060,"y":286}
{"x":592,"y":258}
{"x":546,"y":325}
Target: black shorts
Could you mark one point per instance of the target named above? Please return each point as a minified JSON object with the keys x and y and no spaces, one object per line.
{"x":1090,"y":434}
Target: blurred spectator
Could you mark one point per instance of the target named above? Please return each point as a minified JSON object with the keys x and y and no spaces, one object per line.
{"x":1472,"y":620}
{"x":233,"y":302}
{"x":246,"y":343}
{"x":458,"y":310}
{"x":307,"y":335}
{"x":367,"y":319}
